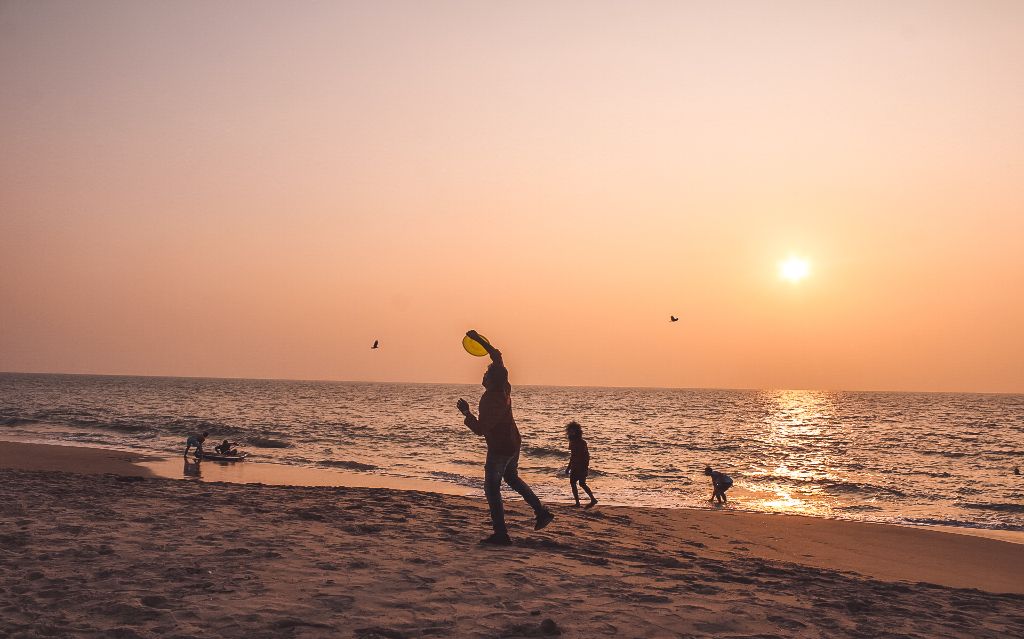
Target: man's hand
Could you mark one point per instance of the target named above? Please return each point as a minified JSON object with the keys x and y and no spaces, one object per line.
{"x":463,"y":406}
{"x":473,"y":335}
{"x":487,"y":346}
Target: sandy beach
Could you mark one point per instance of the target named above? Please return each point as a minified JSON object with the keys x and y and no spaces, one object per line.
{"x":128,"y":554}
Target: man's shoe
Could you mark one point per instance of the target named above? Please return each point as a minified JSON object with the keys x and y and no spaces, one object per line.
{"x":593,"y":502}
{"x":497,"y":539}
{"x":543,"y":519}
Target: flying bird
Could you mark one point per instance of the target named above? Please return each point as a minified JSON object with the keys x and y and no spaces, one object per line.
{"x":376,"y":344}
{"x":673,"y":318}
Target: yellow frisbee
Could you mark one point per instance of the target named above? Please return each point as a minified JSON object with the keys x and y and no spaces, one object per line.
{"x":474,"y":347}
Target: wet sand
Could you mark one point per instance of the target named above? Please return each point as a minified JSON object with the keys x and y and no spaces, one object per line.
{"x":82,"y":459}
{"x":135,"y":555}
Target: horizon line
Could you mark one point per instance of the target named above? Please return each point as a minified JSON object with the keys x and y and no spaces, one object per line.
{"x":370,"y":381}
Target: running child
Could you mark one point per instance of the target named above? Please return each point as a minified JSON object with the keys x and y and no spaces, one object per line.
{"x":579,"y":462}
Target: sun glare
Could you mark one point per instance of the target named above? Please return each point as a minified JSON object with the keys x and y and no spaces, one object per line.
{"x":794,"y":269}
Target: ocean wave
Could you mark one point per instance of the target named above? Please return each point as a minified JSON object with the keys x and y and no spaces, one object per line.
{"x":591,"y":472}
{"x":196,"y":425}
{"x":936,"y":521}
{"x":714,"y":448}
{"x":127,"y":427}
{"x":995,"y":506}
{"x":86,"y":438}
{"x":1004,"y":452}
{"x":551,"y":471}
{"x":959,"y":523}
{"x":856,"y":487}
{"x":944,"y":453}
{"x":350,"y":465}
{"x":296,"y":460}
{"x":343,"y":427}
{"x":455,"y":478}
{"x":833,"y":486}
{"x":859,"y":508}
{"x":927,"y":473}
{"x":117,"y":425}
{"x":545,"y":451}
{"x":267,"y":442}
{"x":668,"y":475}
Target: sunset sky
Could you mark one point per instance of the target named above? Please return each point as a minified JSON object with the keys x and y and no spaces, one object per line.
{"x":261,"y":189}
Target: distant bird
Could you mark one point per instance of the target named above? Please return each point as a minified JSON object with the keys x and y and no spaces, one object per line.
{"x":673,"y":318}
{"x":376,"y":344}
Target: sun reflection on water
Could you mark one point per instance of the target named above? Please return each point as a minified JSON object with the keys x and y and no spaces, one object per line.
{"x":798,"y":449}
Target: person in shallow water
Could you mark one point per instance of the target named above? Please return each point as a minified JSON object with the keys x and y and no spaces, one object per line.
{"x":197,"y":441}
{"x":226,"y":448}
{"x":579,"y":462}
{"x":720,"y":482}
{"x":496,"y":425}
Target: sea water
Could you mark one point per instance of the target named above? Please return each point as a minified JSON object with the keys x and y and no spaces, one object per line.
{"x":913,"y":458}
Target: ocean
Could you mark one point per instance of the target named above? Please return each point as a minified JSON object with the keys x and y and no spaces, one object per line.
{"x":909,"y":458}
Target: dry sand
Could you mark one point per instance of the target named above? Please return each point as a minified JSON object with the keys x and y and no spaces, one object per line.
{"x":131,"y":555}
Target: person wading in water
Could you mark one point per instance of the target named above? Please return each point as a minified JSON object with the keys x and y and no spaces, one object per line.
{"x":498,"y":427}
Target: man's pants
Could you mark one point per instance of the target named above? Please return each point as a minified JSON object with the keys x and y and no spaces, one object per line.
{"x":507,"y":468}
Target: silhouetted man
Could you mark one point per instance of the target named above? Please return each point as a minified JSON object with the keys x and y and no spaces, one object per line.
{"x":498,"y":427}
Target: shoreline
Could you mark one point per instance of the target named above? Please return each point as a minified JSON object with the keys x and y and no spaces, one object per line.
{"x":96,"y":459}
{"x":22,"y":455}
{"x":864,"y":547}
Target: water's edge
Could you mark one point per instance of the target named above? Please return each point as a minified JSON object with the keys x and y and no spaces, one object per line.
{"x":899,"y":458}
{"x":277,"y":474}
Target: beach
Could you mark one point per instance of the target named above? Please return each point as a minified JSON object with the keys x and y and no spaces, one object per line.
{"x":413,"y":320}
{"x":103,"y":547}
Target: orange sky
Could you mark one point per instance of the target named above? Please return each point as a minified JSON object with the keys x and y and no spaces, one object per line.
{"x":262,"y":189}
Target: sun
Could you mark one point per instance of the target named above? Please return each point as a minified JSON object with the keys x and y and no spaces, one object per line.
{"x":794,"y":269}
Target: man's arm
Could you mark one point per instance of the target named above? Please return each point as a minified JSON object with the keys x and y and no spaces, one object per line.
{"x":474,"y":424}
{"x":490,"y":409}
{"x":493,"y":352}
